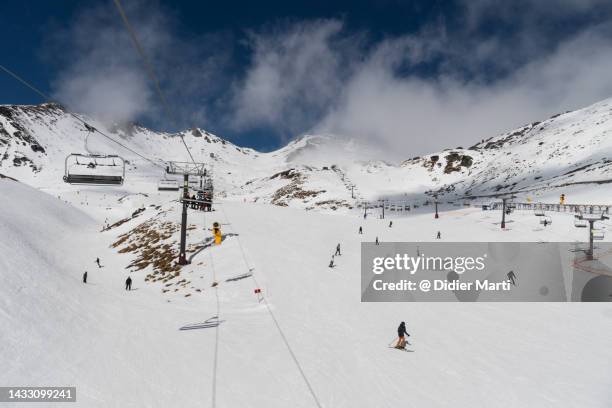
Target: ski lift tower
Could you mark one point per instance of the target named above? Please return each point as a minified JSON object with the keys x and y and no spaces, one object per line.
{"x":504,"y":199}
{"x":186,"y":169}
{"x":591,"y":218}
{"x":436,"y":216}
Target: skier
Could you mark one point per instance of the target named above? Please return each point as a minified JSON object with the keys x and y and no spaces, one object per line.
{"x":128,"y":283}
{"x":512,"y":278}
{"x":98,"y":262}
{"x":338,"y":250}
{"x":85,"y":277}
{"x":401,"y":331}
{"x":331,"y":263}
{"x":390,"y":224}
{"x":439,"y":236}
{"x":377,"y":243}
{"x":365,"y":215}
{"x":360,"y":230}
{"x":545,"y":223}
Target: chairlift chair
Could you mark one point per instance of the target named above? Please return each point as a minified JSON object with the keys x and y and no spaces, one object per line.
{"x":598,"y":235}
{"x":580,"y":223}
{"x":546,"y":220}
{"x":168,"y":185}
{"x":539,"y":212}
{"x":95,"y":169}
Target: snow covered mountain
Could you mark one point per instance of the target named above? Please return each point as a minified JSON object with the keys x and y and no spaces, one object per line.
{"x":321,"y":171}
{"x":171,"y":340}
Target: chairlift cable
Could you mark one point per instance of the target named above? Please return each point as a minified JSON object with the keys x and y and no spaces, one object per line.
{"x":216,"y":355}
{"x":74,"y":115}
{"x":150,"y":72}
{"x":276,"y":323}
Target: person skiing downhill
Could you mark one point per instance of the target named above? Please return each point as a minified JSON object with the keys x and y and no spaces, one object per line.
{"x":401,"y":332}
{"x":439,"y":236}
{"x":85,"y":277}
{"x":337,"y":250}
{"x":512,"y":278}
{"x":361,"y":230}
{"x":128,"y":283}
{"x":390,"y":224}
{"x":98,"y":262}
{"x":377,"y":243}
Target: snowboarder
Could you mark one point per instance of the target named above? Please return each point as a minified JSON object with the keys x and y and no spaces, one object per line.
{"x":360,"y":230}
{"x":377,"y":243}
{"x":401,"y":332}
{"x":98,"y":262}
{"x":439,"y":236}
{"x":337,"y":250}
{"x":128,"y":283}
{"x":85,"y":277}
{"x":331,"y":263}
{"x":512,"y":278}
{"x":390,"y":224}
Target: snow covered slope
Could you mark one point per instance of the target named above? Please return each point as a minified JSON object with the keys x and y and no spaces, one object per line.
{"x":155,"y":346}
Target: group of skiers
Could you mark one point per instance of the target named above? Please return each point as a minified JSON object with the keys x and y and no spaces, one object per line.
{"x":201,"y":201}
{"x":128,"y":281}
{"x":337,"y":253}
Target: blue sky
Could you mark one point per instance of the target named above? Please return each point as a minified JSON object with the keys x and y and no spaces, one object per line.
{"x":408,"y":76}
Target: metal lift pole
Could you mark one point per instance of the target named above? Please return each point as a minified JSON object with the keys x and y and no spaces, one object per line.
{"x":503,"y":222}
{"x":182,"y":254}
{"x":186,"y":169}
{"x":590,"y":251}
{"x":436,"y":203}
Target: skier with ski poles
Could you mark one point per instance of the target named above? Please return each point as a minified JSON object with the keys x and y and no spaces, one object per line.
{"x":401,"y":332}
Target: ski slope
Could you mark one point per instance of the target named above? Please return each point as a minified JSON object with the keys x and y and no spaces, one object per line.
{"x":127,"y":349}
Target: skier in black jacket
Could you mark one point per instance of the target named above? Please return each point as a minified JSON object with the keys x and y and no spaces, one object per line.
{"x":401,"y":331}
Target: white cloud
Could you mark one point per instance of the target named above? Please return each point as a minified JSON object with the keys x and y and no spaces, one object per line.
{"x":410,"y":94}
{"x":293,"y":77}
{"x":414,"y":116}
{"x":307,"y":79}
{"x":101,"y":74}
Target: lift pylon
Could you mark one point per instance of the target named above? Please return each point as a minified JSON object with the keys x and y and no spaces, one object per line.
{"x":186,"y":169}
